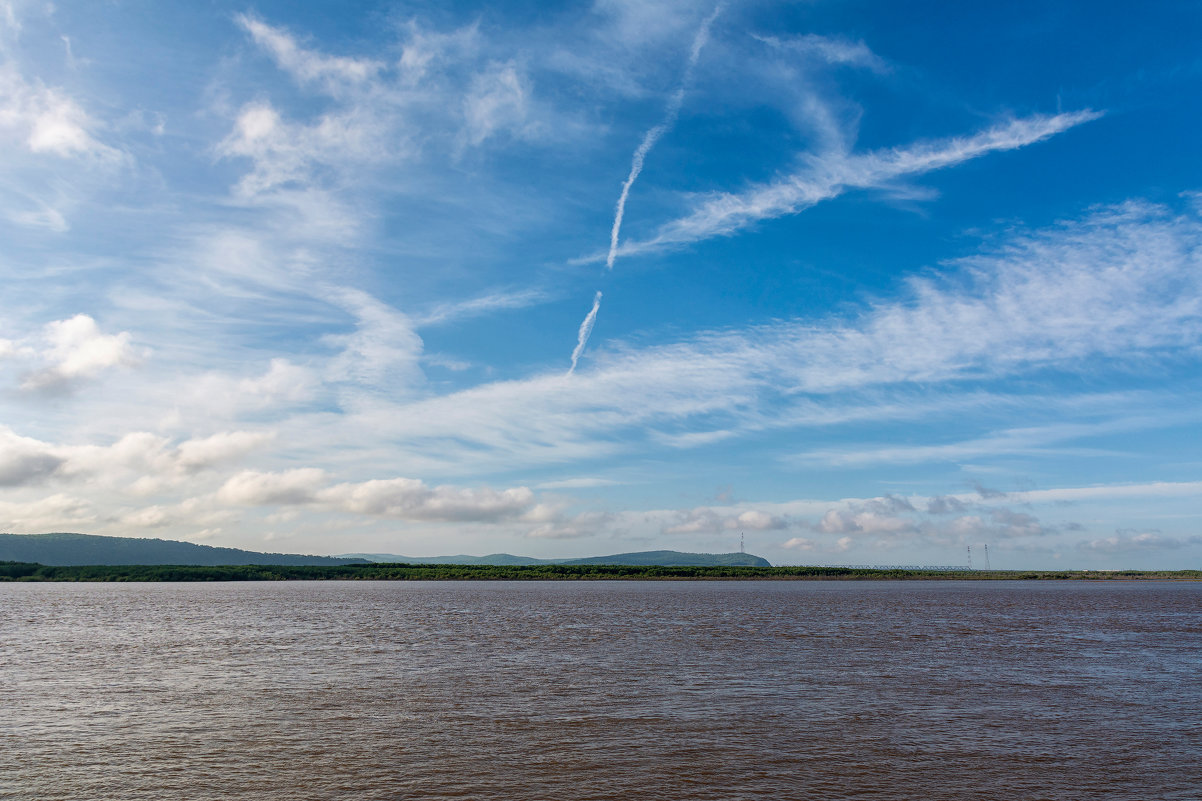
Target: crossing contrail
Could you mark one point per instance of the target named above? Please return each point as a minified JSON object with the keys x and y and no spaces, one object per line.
{"x":652,"y":136}
{"x":586,"y":328}
{"x":671,"y":113}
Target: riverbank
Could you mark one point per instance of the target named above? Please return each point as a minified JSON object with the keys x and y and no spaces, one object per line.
{"x":26,"y":571}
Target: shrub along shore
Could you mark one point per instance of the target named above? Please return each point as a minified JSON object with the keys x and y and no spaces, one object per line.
{"x":27,"y":571}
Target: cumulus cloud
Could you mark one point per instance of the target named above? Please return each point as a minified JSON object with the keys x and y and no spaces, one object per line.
{"x":57,"y":512}
{"x":220,"y":448}
{"x":805,"y":544}
{"x":566,"y":527}
{"x":24,"y":460}
{"x":1128,"y":541}
{"x":942,"y":519}
{"x":214,"y":396}
{"x":283,"y":382}
{"x":254,"y":488}
{"x":139,"y":462}
{"x":398,"y":498}
{"x":946,"y":504}
{"x":76,"y":349}
{"x":713,"y":520}
{"x":411,"y":499}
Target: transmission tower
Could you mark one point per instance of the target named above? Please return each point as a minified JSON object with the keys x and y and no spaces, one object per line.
{"x":987,"y":567}
{"x":970,"y":557}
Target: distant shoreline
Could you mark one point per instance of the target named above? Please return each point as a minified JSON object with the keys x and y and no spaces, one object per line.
{"x":29,"y":572}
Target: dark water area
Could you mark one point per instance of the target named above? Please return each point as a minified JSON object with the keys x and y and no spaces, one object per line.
{"x":601,"y":690}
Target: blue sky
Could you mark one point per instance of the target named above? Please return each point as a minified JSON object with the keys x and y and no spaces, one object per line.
{"x":866,"y":282}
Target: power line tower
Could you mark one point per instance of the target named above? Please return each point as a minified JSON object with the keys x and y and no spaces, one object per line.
{"x":987,"y":567}
{"x":970,"y":557}
{"x":741,"y":543}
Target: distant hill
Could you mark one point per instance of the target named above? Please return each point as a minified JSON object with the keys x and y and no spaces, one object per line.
{"x":90,"y":549}
{"x":673,"y":559}
{"x":664,"y":558}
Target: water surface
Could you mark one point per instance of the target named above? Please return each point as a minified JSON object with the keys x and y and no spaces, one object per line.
{"x":601,"y":690}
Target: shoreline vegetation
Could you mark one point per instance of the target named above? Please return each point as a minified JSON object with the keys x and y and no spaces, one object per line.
{"x":30,"y":571}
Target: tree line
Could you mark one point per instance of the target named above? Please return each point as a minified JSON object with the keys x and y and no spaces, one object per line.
{"x":29,"y":571}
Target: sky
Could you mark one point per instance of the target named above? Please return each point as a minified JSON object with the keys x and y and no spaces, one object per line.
{"x":861,"y":282}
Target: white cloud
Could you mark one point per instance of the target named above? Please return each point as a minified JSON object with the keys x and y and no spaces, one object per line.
{"x":283,"y":382}
{"x":496,"y":103}
{"x":286,"y":154}
{"x":308,"y":66}
{"x":24,"y":460}
{"x":56,"y":512}
{"x":805,"y":544}
{"x":47,"y":120}
{"x":832,"y":50}
{"x":44,"y":216}
{"x":561,"y":527}
{"x":577,"y":483}
{"x":149,"y":517}
{"x":384,"y":351}
{"x":641,"y":23}
{"x":713,"y":520}
{"x":213,"y":397}
{"x":1136,"y":542}
{"x":411,"y":499}
{"x":1125,"y":282}
{"x":399,"y":498}
{"x":484,"y":304}
{"x":425,"y":52}
{"x":78,"y":350}
{"x":226,"y":446}
{"x":253,"y":488}
{"x":1018,"y":441}
{"x":139,"y":462}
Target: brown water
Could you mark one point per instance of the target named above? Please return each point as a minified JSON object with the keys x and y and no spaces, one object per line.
{"x":608,"y":690}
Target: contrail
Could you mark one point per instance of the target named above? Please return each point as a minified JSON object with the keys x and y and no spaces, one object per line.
{"x":586,"y":328}
{"x":653,"y":135}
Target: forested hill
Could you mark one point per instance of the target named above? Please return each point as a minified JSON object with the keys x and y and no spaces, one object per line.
{"x":673,"y":559}
{"x":641,"y":558}
{"x":90,"y":549}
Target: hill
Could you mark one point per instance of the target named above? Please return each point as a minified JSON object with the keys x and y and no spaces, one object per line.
{"x":641,"y":558}
{"x":673,"y":559}
{"x":90,"y":549}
